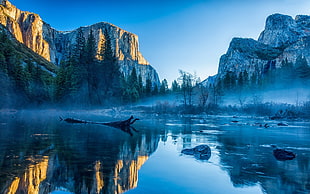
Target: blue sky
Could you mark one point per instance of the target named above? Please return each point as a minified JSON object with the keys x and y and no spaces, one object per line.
{"x":174,"y":34}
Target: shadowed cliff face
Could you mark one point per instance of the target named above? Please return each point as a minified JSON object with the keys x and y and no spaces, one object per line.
{"x":29,"y":29}
{"x":284,"y":39}
{"x":283,"y":30}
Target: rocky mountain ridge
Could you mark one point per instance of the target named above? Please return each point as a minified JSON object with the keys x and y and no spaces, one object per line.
{"x":284,"y":39}
{"x":29,"y":29}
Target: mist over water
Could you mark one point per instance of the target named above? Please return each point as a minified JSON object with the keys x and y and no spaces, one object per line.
{"x":293,"y":96}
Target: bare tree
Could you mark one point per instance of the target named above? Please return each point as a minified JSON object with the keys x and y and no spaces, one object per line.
{"x":187,"y":82}
{"x":203,"y":95}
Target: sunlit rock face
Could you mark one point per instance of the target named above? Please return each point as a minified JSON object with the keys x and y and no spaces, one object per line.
{"x":30,"y":181}
{"x":129,"y":162}
{"x":115,"y":173}
{"x":124,"y":45}
{"x":107,"y":174}
{"x":283,"y":38}
{"x":26,"y":27}
{"x":53,"y":45}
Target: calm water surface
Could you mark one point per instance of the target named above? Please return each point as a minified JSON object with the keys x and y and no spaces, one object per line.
{"x":40,"y":154}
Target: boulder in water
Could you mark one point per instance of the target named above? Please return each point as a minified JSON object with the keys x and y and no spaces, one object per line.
{"x":282,"y":155}
{"x":282,"y":124}
{"x":201,"y":152}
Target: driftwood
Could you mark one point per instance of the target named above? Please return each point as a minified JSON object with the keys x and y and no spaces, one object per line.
{"x":124,"y":125}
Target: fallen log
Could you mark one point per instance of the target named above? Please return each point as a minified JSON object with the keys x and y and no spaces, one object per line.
{"x":72,"y":120}
{"x":124,"y":125}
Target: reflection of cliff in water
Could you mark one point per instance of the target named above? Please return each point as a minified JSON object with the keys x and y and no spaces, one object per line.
{"x":45,"y":156}
{"x":248,"y":159}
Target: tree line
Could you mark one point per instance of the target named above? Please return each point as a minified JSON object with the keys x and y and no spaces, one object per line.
{"x":22,"y":79}
{"x":271,"y":77}
{"x":92,"y":78}
{"x":84,"y":78}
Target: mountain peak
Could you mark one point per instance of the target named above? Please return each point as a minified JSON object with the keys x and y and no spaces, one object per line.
{"x":279,"y":30}
{"x":278,"y":22}
{"x":283,"y":30}
{"x":282,"y":42}
{"x":303,"y":20}
{"x":3,"y":2}
{"x":29,"y":29}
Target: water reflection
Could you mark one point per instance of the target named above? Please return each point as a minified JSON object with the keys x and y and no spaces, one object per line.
{"x":247,"y":157}
{"x":39,"y":154}
{"x":244,"y":151}
{"x":46,"y":155}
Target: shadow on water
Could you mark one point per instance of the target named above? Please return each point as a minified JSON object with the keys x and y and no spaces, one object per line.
{"x":40,"y":154}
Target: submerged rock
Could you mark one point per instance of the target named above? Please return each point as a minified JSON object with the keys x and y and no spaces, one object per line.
{"x":282,"y":155}
{"x":266,"y":125}
{"x":282,"y":124}
{"x":201,"y":152}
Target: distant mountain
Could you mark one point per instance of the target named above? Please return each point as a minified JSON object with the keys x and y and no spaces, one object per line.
{"x":209,"y":81}
{"x":29,"y":29}
{"x":281,"y":55}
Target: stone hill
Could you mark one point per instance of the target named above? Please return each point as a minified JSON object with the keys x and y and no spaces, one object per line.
{"x":284,"y":41}
{"x":29,"y":29}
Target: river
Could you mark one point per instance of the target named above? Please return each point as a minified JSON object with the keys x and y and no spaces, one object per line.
{"x":41,"y":154}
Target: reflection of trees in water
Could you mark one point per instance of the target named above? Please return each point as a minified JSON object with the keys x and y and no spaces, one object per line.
{"x":248,"y":163}
{"x":81,"y":158}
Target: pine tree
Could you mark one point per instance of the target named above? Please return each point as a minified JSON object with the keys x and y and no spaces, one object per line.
{"x":91,"y":70}
{"x":133,"y":84}
{"x":188,"y":82}
{"x":228,"y":81}
{"x":163,"y":87}
{"x":90,"y":48}
{"x":124,"y":86}
{"x":148,"y":86}
{"x":286,"y":72}
{"x":68,"y":81}
{"x":175,"y":86}
{"x":109,"y":69}
{"x":79,"y":47}
{"x":140,"y":83}
{"x":155,"y":90}
{"x":60,"y":88}
{"x":133,"y":79}
{"x":302,"y":68}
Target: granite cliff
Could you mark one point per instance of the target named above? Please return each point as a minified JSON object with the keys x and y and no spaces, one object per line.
{"x":29,"y":29}
{"x":284,"y":39}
